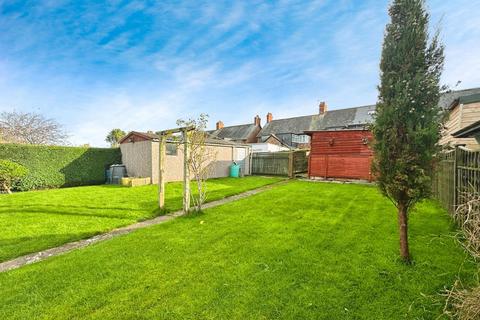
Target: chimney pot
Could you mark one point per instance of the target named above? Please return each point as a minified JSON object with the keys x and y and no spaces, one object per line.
{"x":322,"y":107}
{"x":256,"y":120}
{"x":269,"y":117}
{"x":219,"y":125}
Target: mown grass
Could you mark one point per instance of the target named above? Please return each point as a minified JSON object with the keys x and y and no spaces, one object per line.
{"x":300,"y":251}
{"x":32,"y":221}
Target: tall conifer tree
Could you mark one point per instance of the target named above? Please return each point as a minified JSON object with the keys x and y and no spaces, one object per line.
{"x":407,"y":124}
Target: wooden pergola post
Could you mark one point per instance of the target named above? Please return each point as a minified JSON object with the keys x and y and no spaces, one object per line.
{"x":161,"y":166}
{"x":161,"y":171}
{"x":186,"y":173}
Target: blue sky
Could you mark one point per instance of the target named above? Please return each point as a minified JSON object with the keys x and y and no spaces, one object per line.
{"x":140,"y":65}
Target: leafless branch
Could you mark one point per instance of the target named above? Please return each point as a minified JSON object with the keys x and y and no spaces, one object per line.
{"x":201,"y":157}
{"x":30,"y":128}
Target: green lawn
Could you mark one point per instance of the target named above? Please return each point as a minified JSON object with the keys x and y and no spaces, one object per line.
{"x":300,"y":251}
{"x":32,"y":221}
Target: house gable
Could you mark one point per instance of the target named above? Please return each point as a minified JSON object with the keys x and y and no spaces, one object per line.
{"x":463,"y":112}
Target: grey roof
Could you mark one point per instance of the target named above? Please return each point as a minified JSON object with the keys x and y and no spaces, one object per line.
{"x":288,"y":125}
{"x":215,"y":140}
{"x":209,"y":140}
{"x":448,"y":98}
{"x":351,"y":118}
{"x":238,"y":132}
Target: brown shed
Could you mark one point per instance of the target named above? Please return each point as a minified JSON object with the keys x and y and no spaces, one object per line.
{"x":341,"y":154}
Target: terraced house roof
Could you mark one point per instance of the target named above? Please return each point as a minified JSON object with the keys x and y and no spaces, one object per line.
{"x":350,"y":118}
{"x":238,"y":132}
{"x":341,"y":119}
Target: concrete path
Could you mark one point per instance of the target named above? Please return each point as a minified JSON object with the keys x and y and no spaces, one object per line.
{"x":42,"y":255}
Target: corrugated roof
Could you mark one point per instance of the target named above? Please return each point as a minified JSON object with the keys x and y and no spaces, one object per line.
{"x":238,"y":132}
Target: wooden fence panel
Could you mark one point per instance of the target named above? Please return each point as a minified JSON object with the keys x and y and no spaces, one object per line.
{"x":444,"y":180}
{"x":270,"y":163}
{"x":279,"y":163}
{"x":300,"y":162}
{"x":456,"y":174}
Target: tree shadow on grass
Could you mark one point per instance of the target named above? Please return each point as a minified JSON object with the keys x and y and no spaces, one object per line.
{"x":15,"y":247}
{"x":51,"y":211}
{"x":89,"y":168}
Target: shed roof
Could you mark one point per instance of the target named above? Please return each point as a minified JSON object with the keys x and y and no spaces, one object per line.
{"x":145,"y":135}
{"x":447,"y":99}
{"x":238,"y":132}
{"x":211,"y":140}
{"x":468,"y":131}
{"x":472,"y":98}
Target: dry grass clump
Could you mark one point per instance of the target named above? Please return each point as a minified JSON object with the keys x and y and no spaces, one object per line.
{"x":467,"y":215}
{"x":463,"y":303}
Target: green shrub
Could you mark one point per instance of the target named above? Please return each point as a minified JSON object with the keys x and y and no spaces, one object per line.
{"x":53,"y":167}
{"x":10,"y":172}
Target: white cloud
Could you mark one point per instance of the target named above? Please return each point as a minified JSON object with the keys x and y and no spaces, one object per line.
{"x":93,"y":71}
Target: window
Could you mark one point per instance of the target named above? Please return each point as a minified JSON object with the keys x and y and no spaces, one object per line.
{"x":300,"y":138}
{"x":171,"y":149}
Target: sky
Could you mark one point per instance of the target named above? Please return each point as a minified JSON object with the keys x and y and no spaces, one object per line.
{"x":141,"y":65}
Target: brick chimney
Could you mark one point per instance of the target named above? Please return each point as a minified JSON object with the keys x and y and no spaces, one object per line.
{"x":269,"y":117}
{"x":220,"y":125}
{"x":256,"y":120}
{"x":322,"y":107}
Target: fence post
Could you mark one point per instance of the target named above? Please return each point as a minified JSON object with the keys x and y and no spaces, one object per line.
{"x":291,"y":172}
{"x":455,"y":178}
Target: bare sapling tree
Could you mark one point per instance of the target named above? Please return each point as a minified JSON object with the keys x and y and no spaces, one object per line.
{"x":201,"y":157}
{"x":31,"y":128}
{"x":408,"y":119}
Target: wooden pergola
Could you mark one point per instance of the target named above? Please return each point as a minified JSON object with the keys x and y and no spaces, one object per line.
{"x":186,"y":170}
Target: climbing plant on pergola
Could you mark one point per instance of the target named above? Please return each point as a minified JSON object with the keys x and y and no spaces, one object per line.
{"x":186,"y":170}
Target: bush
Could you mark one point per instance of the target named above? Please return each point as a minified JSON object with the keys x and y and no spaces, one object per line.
{"x":10,"y":172}
{"x":53,"y":167}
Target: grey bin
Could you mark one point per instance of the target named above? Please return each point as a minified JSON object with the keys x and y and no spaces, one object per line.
{"x":118,"y":171}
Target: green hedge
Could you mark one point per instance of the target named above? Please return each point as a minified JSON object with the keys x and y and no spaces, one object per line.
{"x":53,"y":167}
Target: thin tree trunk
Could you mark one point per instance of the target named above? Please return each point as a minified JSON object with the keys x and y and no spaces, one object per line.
{"x":6,"y":188}
{"x":403,"y":230}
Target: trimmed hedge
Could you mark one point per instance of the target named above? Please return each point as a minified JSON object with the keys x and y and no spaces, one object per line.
{"x":53,"y":167}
